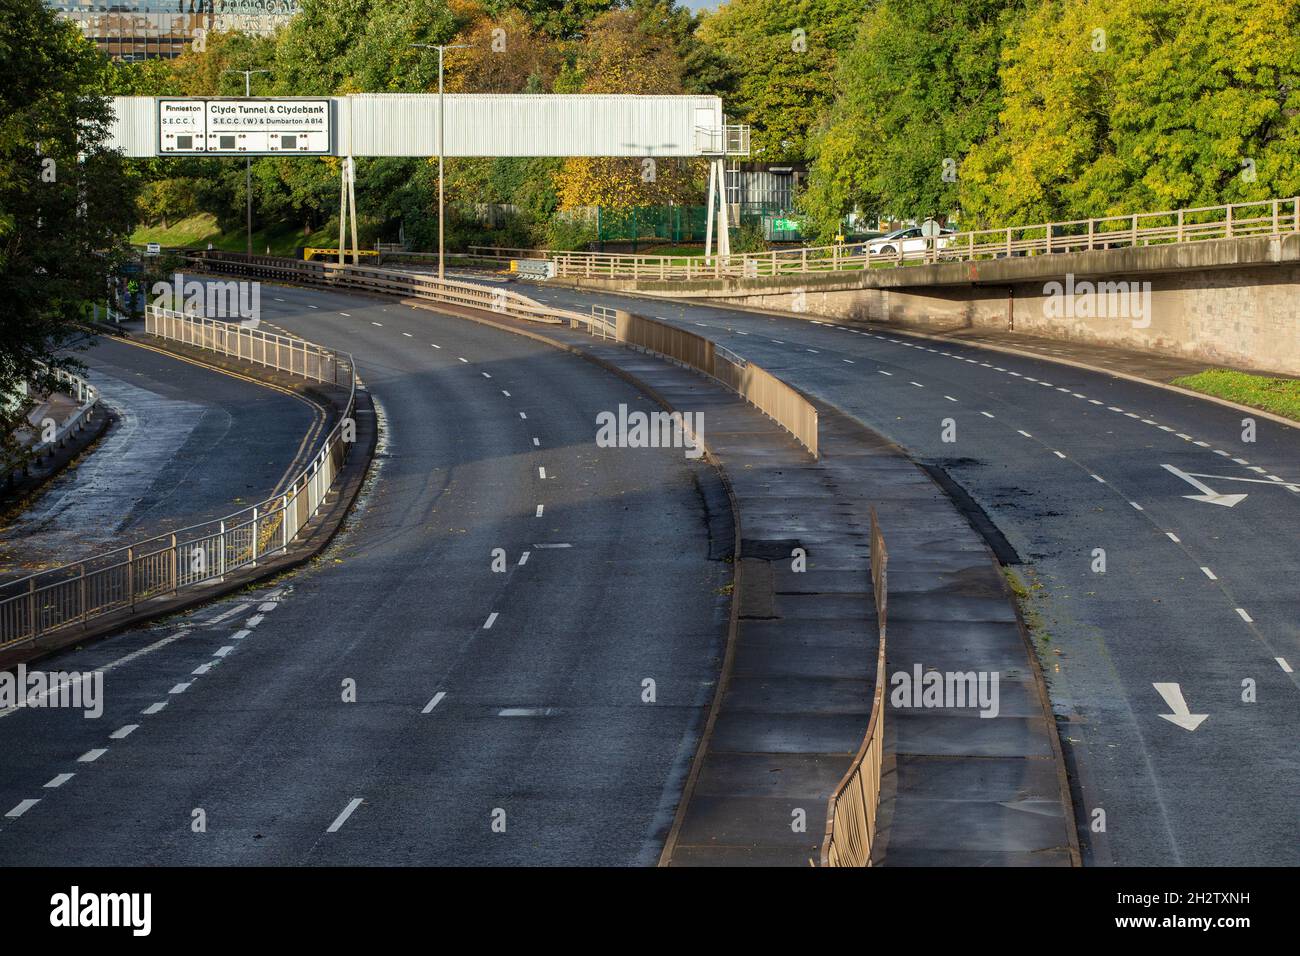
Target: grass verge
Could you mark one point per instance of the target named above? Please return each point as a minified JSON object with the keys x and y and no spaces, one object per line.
{"x":1281,"y":396}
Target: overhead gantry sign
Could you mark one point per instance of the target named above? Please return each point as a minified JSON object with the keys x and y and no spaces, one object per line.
{"x":409,"y":124}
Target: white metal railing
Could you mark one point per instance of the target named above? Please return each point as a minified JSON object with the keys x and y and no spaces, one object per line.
{"x":1268,"y":217}
{"x":204,"y":553}
{"x":87,"y":397}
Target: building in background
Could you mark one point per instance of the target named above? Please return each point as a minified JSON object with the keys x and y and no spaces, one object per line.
{"x":144,"y":29}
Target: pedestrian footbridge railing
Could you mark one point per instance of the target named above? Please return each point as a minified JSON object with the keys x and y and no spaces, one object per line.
{"x":75,"y":594}
{"x":855,"y":802}
{"x":1268,"y":217}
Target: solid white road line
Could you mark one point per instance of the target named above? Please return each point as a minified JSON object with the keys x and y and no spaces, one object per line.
{"x":434,"y":703}
{"x":1173,"y":537}
{"x":22,"y":808}
{"x":1209,"y":574}
{"x":1021,"y":431}
{"x":123,"y":732}
{"x":987,"y":414}
{"x":342,"y":818}
{"x":59,"y":781}
{"x":1244,"y":616}
{"x":1283,"y":664}
{"x":1099,"y":478}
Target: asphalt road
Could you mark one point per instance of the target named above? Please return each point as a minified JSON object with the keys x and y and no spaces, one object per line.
{"x":1204,"y":595}
{"x":400,"y":701}
{"x":191,"y":444}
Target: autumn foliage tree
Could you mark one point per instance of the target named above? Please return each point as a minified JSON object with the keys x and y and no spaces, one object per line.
{"x":627,"y":49}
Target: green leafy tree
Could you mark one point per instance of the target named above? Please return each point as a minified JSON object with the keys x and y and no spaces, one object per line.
{"x":778,"y":60}
{"x":917,"y":90}
{"x":1137,"y":105}
{"x":66,"y":203}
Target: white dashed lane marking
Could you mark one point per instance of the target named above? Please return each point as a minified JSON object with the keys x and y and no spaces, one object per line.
{"x":22,"y":808}
{"x":342,"y":818}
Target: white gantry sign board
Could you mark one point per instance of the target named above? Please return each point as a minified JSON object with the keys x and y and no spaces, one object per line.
{"x":245,"y":126}
{"x":407,"y":124}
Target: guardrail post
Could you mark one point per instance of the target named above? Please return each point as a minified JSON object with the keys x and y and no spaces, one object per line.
{"x":284,"y":522}
{"x":1228,"y":222}
{"x":176,"y":560}
{"x":1008,"y":242}
{"x":33,"y":614}
{"x":221,"y":551}
{"x":81,"y":591}
{"x":1133,"y":240}
{"x":1276,"y":210}
{"x":1180,"y":225}
{"x":255,"y":535}
{"x":130,"y":576}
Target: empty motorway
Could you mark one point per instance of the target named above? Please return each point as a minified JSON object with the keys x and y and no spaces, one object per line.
{"x":1132,"y":583}
{"x":402,"y":701}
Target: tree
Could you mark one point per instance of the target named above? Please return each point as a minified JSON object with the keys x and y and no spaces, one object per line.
{"x":917,"y":90}
{"x":1132,"y":105}
{"x":779,"y":57}
{"x":626,"y":49}
{"x":66,"y":203}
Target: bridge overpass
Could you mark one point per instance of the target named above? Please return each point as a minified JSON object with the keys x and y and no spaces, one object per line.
{"x":1220,"y":282}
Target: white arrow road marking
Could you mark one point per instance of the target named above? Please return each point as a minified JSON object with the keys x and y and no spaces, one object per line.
{"x":1173,"y":696}
{"x":1207,"y":494}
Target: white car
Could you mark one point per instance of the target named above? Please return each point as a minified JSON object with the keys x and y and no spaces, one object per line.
{"x":911,"y":239}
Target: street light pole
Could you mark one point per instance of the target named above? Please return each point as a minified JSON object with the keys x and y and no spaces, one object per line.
{"x":248,"y":168}
{"x":441,"y":48}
